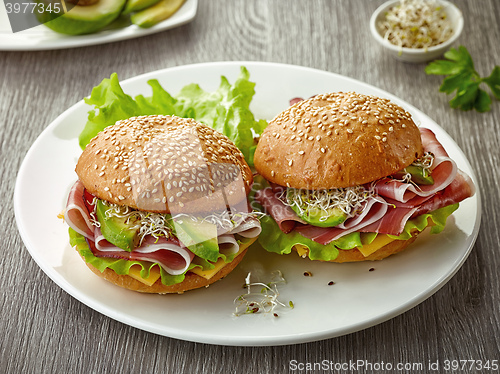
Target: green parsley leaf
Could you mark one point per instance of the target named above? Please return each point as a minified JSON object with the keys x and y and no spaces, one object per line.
{"x":463,"y":80}
{"x":493,"y":81}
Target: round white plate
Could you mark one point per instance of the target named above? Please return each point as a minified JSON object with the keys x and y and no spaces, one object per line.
{"x":359,"y":298}
{"x":42,"y":38}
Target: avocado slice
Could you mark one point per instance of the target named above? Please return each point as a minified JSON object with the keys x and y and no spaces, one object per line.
{"x":156,"y":13}
{"x":137,"y":5}
{"x":199,"y":236}
{"x":318,"y":217}
{"x":116,"y":230}
{"x":83,"y":19}
{"x":419,"y":175}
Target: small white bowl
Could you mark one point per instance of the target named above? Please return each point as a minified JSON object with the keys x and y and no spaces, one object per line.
{"x":417,"y":55}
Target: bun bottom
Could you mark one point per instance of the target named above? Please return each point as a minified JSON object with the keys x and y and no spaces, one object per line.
{"x":354,"y":255}
{"x":190,"y":282}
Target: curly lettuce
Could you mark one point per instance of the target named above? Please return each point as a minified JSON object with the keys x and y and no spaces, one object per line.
{"x":119,"y":266}
{"x":227,"y":109}
{"x":122,"y":266}
{"x":272,"y":239}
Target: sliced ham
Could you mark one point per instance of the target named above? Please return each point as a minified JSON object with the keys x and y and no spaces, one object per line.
{"x":374,"y":211}
{"x":391,"y":223}
{"x":284,"y":216}
{"x":76,"y":214}
{"x":288,"y":220}
{"x":398,"y":214}
{"x":443,"y":171}
{"x":248,"y":228}
{"x":227,"y":244}
{"x":169,"y":253}
{"x":459,"y":189}
{"x":174,"y":259}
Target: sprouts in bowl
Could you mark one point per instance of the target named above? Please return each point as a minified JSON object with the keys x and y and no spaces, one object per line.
{"x":416,"y":30}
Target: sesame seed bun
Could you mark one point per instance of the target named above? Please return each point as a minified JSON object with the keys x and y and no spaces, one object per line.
{"x":337,"y":140}
{"x":165,"y":164}
{"x":191,"y":281}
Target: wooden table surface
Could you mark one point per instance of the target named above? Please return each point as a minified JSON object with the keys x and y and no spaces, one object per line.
{"x":43,"y":329}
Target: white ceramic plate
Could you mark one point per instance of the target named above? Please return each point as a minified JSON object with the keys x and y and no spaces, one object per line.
{"x":359,"y":299}
{"x":43,"y":38}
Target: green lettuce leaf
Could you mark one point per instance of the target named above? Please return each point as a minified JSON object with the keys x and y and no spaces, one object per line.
{"x":438,"y":218}
{"x":272,"y":239}
{"x":227,"y":109}
{"x":119,"y":266}
{"x":122,"y":266}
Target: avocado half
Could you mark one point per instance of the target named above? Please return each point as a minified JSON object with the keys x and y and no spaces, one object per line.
{"x":84,"y":19}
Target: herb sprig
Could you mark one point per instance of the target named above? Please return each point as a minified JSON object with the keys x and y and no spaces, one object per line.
{"x":465,"y":80}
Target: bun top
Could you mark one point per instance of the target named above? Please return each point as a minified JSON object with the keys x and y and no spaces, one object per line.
{"x":165,"y":164}
{"x":337,"y":140}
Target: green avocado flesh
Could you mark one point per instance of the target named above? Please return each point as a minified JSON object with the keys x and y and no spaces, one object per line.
{"x":199,"y":236}
{"x":83,"y":19}
{"x":419,"y":175}
{"x":136,"y":5}
{"x":116,"y":230}
{"x":156,"y":13}
{"x":318,"y":217}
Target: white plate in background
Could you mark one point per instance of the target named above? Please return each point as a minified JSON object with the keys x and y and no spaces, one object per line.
{"x":43,"y":38}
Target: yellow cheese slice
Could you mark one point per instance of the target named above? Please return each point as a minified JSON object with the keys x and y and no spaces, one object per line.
{"x":381,"y":240}
{"x":154,"y":274}
{"x":207,"y":274}
{"x":302,"y":250}
{"x":366,"y":250}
